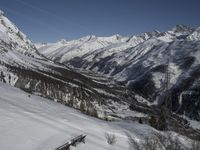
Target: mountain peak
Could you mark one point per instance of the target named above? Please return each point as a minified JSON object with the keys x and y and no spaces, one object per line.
{"x":182,"y":28}
{"x":117,"y":36}
{"x":63,"y":41}
{"x":1,"y":13}
{"x":87,"y":38}
{"x":148,"y":35}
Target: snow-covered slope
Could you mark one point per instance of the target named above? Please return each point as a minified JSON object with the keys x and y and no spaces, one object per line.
{"x":35,"y":123}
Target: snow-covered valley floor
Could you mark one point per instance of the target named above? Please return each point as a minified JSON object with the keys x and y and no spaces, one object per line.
{"x":35,"y":123}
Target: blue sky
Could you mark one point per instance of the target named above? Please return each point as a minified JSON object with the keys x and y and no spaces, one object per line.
{"x":51,"y":20}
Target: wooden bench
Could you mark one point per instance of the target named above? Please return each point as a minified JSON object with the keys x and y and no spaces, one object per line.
{"x":73,"y":142}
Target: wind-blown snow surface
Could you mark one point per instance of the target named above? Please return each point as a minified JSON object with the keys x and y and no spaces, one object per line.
{"x":35,"y":123}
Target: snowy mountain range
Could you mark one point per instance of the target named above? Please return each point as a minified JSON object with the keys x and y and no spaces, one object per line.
{"x":140,"y":62}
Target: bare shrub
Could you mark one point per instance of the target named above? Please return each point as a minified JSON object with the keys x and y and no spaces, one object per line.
{"x":151,"y":143}
{"x":195,"y":145}
{"x":159,"y":142}
{"x":133,"y":145}
{"x":170,"y":142}
{"x":110,"y":138}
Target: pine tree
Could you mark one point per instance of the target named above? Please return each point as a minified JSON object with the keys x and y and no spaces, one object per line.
{"x":162,"y":125}
{"x":71,"y":100}
{"x":2,"y":77}
{"x":82,"y":107}
{"x":94,"y":113}
{"x":87,"y":111}
{"x":140,"y":121}
{"x":71,"y":103}
{"x":153,"y":121}
{"x":9,"y":77}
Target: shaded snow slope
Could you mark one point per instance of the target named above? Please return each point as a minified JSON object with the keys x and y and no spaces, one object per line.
{"x":35,"y":123}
